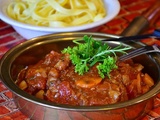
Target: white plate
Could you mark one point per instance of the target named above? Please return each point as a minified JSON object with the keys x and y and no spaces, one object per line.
{"x":30,"y":31}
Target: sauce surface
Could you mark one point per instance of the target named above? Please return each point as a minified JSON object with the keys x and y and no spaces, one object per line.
{"x":54,"y":79}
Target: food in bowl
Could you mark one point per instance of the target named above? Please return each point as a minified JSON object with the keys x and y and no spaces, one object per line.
{"x":57,"y":13}
{"x":88,"y":74}
{"x":32,"y":51}
{"x":28,"y":31}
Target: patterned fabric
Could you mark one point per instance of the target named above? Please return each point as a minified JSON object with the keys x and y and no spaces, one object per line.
{"x":129,"y":10}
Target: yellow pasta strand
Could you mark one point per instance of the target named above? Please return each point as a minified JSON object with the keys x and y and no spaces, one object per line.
{"x":56,"y":13}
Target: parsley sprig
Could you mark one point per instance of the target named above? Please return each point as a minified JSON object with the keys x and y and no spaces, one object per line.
{"x":87,"y":54}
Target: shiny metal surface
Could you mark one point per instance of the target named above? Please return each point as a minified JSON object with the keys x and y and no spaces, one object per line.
{"x":140,"y":51}
{"x":33,"y":50}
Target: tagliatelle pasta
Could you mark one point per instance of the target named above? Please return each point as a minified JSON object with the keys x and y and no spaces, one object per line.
{"x":56,"y":13}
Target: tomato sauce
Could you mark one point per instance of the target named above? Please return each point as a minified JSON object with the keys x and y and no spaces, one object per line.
{"x":54,"y":79}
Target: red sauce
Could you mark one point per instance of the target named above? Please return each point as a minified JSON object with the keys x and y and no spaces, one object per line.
{"x":55,"y":76}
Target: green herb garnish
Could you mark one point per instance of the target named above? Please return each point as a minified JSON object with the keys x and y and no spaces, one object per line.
{"x":87,"y":54}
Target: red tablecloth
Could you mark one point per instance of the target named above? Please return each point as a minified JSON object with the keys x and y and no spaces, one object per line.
{"x":129,"y":10}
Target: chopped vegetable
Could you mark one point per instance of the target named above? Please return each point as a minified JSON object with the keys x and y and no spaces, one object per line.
{"x":87,"y":54}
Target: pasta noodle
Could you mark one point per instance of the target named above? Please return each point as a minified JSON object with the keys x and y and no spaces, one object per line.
{"x":56,"y":13}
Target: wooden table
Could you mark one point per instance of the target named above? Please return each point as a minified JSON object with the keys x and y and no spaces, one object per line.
{"x":129,"y":10}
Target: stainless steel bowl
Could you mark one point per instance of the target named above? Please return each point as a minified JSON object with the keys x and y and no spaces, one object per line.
{"x":33,"y":50}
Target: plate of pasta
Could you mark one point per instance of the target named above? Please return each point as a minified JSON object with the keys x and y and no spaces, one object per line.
{"x":32,"y":18}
